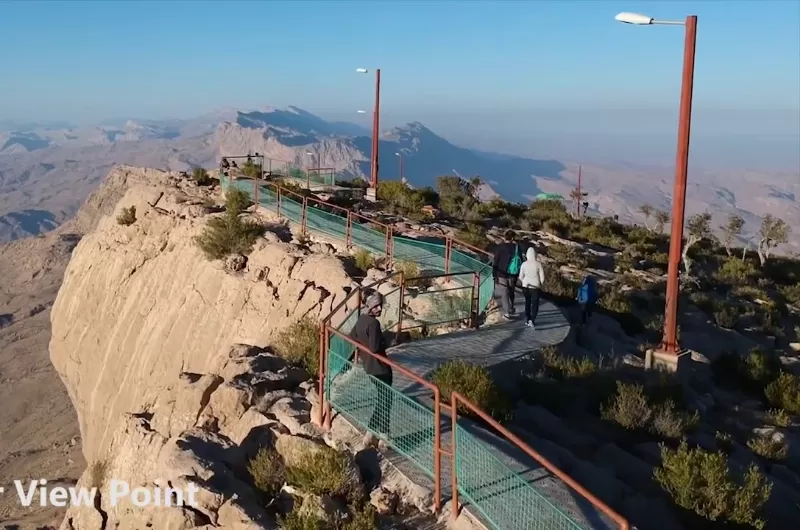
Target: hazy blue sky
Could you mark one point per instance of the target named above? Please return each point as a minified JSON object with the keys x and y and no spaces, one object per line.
{"x":531,"y":76}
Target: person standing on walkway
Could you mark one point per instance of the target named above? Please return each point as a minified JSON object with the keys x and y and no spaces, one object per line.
{"x":367,"y":332}
{"x":531,"y":278}
{"x":505,"y":267}
{"x":587,"y":297}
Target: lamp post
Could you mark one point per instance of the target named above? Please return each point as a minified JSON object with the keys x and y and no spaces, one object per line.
{"x":308,"y":173}
{"x":371,"y":192}
{"x":669,"y":346}
{"x":401,"y":165}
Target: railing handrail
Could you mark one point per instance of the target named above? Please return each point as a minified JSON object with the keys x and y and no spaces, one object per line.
{"x":456,"y":398}
{"x":435,"y":276}
{"x":358,"y":289}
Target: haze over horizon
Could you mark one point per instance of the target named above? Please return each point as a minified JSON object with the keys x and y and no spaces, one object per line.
{"x":544,"y":79}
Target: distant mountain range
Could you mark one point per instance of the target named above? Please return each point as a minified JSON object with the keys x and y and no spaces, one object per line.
{"x":47,"y":170}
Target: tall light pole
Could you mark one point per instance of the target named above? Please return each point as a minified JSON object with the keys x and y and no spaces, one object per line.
{"x":401,"y":165}
{"x":375,"y":131}
{"x":308,"y":173}
{"x":669,"y":345}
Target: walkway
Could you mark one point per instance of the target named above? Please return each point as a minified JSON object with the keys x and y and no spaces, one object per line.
{"x":499,"y":484}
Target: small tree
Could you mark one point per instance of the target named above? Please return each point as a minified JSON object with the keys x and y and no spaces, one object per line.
{"x":662,"y":218}
{"x":251,"y":169}
{"x":773,"y":232}
{"x":646,"y":210}
{"x":201,"y":176}
{"x":699,"y":228}
{"x":731,"y":231}
{"x":230,"y":234}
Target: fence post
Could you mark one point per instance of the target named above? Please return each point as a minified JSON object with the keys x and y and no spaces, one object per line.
{"x":349,"y":229}
{"x":474,"y":302}
{"x":437,"y":449}
{"x":402,"y":301}
{"x":304,"y":215}
{"x":319,"y":419}
{"x":448,"y":247}
{"x":389,"y":244}
{"x":327,"y":412}
{"x":453,"y":452}
{"x":358,"y":300}
{"x":279,"y":198}
{"x":255,"y":195}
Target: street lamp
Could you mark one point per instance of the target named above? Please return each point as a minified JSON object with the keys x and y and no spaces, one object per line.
{"x":401,"y":165}
{"x":669,"y":345}
{"x":375,"y":127}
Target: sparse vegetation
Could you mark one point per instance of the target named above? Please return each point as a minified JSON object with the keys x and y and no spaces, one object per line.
{"x":127,"y":216}
{"x":299,"y":344}
{"x":451,"y":306}
{"x":784,"y":393}
{"x":633,"y":410}
{"x":364,"y":259}
{"x":475,"y":383}
{"x":700,"y":482}
{"x":201,"y":176}
{"x":267,"y":471}
{"x":779,"y":418}
{"x":767,"y":446}
{"x":323,"y":471}
{"x":230,"y":234}
{"x":98,"y":473}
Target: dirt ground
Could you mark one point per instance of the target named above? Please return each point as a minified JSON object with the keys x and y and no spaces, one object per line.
{"x":39,"y":435}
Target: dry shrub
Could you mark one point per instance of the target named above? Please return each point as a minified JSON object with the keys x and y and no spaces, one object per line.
{"x":299,"y":344}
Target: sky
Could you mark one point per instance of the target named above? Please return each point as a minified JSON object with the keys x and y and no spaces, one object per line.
{"x":560,"y":78}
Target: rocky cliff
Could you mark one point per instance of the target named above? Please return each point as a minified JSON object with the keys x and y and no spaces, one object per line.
{"x":144,"y":330}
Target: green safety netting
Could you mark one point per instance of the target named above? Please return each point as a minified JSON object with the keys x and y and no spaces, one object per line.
{"x":504,"y":498}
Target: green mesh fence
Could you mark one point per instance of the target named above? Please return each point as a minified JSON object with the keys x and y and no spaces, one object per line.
{"x":326,"y":223}
{"x":312,"y":177}
{"x":442,"y":306}
{"x":363,"y":236}
{"x":402,"y":422}
{"x":427,"y":256}
{"x":504,"y":498}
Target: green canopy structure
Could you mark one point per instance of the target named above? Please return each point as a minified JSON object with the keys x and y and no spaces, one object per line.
{"x":549,"y":196}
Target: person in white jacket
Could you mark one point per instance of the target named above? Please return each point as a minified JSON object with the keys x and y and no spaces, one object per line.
{"x":531,"y":279}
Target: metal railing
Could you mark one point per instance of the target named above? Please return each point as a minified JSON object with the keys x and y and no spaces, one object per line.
{"x":412,"y":428}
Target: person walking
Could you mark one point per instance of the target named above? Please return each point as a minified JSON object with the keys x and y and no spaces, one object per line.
{"x":586,"y":298}
{"x":531,"y":278}
{"x":506,"y":264}
{"x":367,"y":332}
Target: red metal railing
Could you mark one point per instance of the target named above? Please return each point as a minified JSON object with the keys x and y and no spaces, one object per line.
{"x":397,"y":368}
{"x":457,"y":399}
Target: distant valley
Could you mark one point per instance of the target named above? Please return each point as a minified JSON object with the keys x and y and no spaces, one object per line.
{"x":48,"y":170}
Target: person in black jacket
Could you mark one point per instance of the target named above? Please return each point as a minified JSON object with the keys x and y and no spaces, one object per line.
{"x":503,"y":256}
{"x":368,"y":333}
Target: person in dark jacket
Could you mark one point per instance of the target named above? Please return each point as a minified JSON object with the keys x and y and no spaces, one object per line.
{"x":505,"y":266}
{"x":368,"y":333}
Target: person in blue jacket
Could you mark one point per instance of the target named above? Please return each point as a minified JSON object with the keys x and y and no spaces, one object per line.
{"x":587,"y":297}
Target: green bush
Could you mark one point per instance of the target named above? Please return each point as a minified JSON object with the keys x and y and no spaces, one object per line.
{"x":474,"y":383}
{"x":251,"y":169}
{"x":127,"y":216}
{"x":736,"y":272}
{"x":669,"y":422}
{"x":565,"y":367}
{"x":230,"y":234}
{"x":323,"y":471}
{"x":726,"y":316}
{"x":784,"y":393}
{"x":699,"y":481}
{"x":267,"y":471}
{"x":411,"y":274}
{"x":299,"y":519}
{"x":558,"y":285}
{"x":567,"y":255}
{"x":474,"y":235}
{"x":299,"y":344}
{"x":363,"y":517}
{"x":791,"y":293}
{"x":201,"y":176}
{"x":364,"y":260}
{"x":628,"y":408}
{"x":779,"y":418}
{"x":765,"y":446}
{"x":751,"y":373}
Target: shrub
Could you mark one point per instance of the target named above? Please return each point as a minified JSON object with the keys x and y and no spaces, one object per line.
{"x":726,"y":316}
{"x":751,"y":373}
{"x":127,"y":216}
{"x":363,"y":517}
{"x":784,"y":393}
{"x":556,"y":284}
{"x":364,"y":260}
{"x":724,"y":441}
{"x":670,"y":422}
{"x":299,"y":519}
{"x":230,"y":234}
{"x":410,"y":271}
{"x":474,"y":383}
{"x":628,"y":408}
{"x":201,"y":176}
{"x":564,"y":367}
{"x":567,"y":255}
{"x":474,"y":235}
{"x":267,"y":471}
{"x":779,"y":417}
{"x":98,"y":472}
{"x":736,"y":272}
{"x":791,"y":293}
{"x":765,"y":446}
{"x":700,"y":481}
{"x":323,"y":471}
{"x":612,"y":299}
{"x":299,"y":344}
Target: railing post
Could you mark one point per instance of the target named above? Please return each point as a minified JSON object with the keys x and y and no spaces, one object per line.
{"x":358,"y":300}
{"x":255,"y":195}
{"x":304,"y":215}
{"x":319,"y":419}
{"x":453,"y":453}
{"x":437,"y":450}
{"x":349,"y":229}
{"x":327,"y":412}
{"x":448,"y":247}
{"x":279,"y":198}
{"x":402,"y":301}
{"x":475,"y":302}
{"x":389,"y":244}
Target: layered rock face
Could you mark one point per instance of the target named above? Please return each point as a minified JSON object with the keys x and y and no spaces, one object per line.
{"x":142,"y":330}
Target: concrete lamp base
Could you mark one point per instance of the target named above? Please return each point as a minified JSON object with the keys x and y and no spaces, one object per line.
{"x":371,"y":194}
{"x":667,"y":362}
